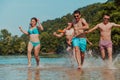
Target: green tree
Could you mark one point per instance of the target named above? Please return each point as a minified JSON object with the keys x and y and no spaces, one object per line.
{"x":5,"y":42}
{"x":117,"y":2}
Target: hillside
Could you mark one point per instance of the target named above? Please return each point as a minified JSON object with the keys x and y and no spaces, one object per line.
{"x":92,"y":13}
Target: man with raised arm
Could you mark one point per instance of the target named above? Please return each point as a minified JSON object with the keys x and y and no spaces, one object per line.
{"x":105,"y":42}
{"x":79,"y":41}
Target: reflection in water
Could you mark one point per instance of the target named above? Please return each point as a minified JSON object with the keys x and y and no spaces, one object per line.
{"x":29,"y":76}
{"x":75,"y":74}
{"x":33,"y":73}
{"x":37,"y":74}
{"x":108,"y":74}
{"x":91,"y":74}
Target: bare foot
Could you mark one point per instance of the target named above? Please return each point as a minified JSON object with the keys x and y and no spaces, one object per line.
{"x":29,"y":65}
{"x":79,"y":67}
{"x":38,"y":67}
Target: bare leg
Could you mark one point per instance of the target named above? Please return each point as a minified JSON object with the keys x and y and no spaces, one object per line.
{"x":74,"y":53}
{"x":29,"y":50}
{"x":103,"y":54}
{"x":109,"y":49}
{"x":78,"y":56}
{"x":70,"y":51}
{"x":82,"y":58}
{"x":36,"y":54}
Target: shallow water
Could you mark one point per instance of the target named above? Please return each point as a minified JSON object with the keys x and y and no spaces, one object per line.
{"x":15,"y":68}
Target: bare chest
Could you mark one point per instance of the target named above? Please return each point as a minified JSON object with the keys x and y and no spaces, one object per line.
{"x":78,"y":25}
{"x":105,"y":27}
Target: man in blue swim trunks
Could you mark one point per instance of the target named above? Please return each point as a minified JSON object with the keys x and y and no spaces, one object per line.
{"x":79,"y":40}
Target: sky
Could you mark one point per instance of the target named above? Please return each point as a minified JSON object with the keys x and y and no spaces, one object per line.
{"x":15,"y":13}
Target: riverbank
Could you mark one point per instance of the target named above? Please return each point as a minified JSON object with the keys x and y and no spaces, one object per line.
{"x":41,"y":55}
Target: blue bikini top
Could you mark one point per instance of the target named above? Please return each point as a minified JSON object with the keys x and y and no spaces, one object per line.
{"x":33,"y":31}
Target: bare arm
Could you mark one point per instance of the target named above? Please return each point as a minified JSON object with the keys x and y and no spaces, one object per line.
{"x":39,"y":25}
{"x":91,"y":30}
{"x":69,"y":26}
{"x":23,"y":31}
{"x":85,"y":24}
{"x":116,"y":25}
{"x":89,"y":41}
{"x":58,"y":35}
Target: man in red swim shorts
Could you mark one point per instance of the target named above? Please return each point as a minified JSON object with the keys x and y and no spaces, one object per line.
{"x":105,"y":42}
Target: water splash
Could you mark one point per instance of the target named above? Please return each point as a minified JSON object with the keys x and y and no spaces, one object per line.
{"x":95,"y":61}
{"x":116,"y":61}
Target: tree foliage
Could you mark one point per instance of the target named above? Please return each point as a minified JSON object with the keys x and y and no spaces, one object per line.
{"x":117,"y":2}
{"x":92,"y":13}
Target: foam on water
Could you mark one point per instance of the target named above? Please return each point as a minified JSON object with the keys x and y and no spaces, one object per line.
{"x":116,"y":61}
{"x":93,"y":62}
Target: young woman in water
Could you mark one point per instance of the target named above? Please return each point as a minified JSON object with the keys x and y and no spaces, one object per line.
{"x":34,"y":42}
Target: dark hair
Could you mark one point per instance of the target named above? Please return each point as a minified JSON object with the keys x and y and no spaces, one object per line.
{"x":76,"y":11}
{"x":34,"y":18}
{"x":106,"y":14}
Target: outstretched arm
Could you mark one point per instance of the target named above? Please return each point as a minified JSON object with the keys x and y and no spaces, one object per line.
{"x":58,"y":35}
{"x":116,"y":25}
{"x":91,"y":30}
{"x":23,"y":31}
{"x":39,"y":25}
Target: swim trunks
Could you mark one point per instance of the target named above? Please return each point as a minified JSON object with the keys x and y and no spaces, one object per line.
{"x":80,"y":42}
{"x":105,"y":44}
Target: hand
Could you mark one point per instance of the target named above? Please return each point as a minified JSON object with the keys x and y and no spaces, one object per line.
{"x":86,"y":32}
{"x":54,"y":33}
{"x":38,"y":20}
{"x":64,"y":30}
{"x":20,"y":28}
{"x":69,"y":24}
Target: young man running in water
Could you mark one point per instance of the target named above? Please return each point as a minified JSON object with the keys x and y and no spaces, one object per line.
{"x":69,"y":34}
{"x":105,"y":42}
{"x":79,"y":41}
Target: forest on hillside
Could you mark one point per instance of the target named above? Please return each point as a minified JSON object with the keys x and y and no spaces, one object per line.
{"x":14,"y":45}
